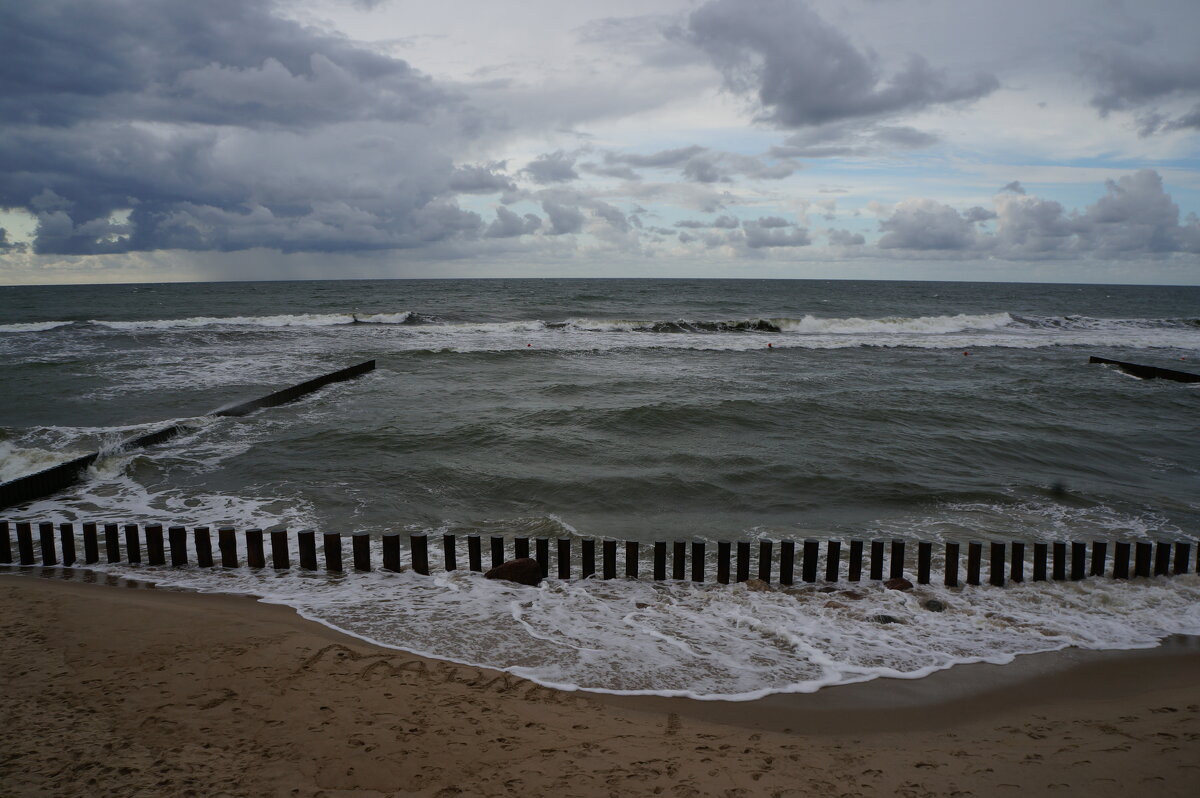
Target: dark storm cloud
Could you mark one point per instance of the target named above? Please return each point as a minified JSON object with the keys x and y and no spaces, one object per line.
{"x":1133,"y":81}
{"x":480,"y":179}
{"x":772,"y":231}
{"x":510,"y":225}
{"x":805,"y":72}
{"x":926,"y":224}
{"x":852,"y":139}
{"x":221,"y":125}
{"x":699,"y":164}
{"x":563,"y":218}
{"x":844,"y":238}
{"x":553,"y":167}
{"x":721,"y":222}
{"x":9,"y":246}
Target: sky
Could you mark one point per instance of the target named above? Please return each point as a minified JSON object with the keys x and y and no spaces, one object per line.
{"x":1030,"y":140}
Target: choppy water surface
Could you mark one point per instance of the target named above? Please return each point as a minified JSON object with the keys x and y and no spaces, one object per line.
{"x":639,"y":410}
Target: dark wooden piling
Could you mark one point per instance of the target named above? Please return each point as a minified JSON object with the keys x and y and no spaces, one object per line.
{"x":281,"y":558}
{"x":1017,"y":572}
{"x":227,"y":543}
{"x":679,"y":560}
{"x":497,"y":551}
{"x":564,"y":558}
{"x":876,"y":560}
{"x":787,"y":562}
{"x":155,"y":550}
{"x":133,"y":544}
{"x":1182,"y":552}
{"x":697,"y":561}
{"x":1078,"y":560}
{"x":808,"y":561}
{"x":391,"y":551}
{"x":331,"y":544}
{"x":360,"y":544}
{"x":306,"y":540}
{"x":1099,"y":555}
{"x":450,"y":554}
{"x":1143,"y":556}
{"x":723,"y":557}
{"x":6,"y":543}
{"x":660,"y":560}
{"x":608,"y":551}
{"x":46,"y":534}
{"x":25,"y":543}
{"x":951,"y":578}
{"x":1120,"y":560}
{"x":996,"y":565}
{"x":854,"y":571}
{"x":897,"y":560}
{"x":743,"y":561}
{"x":177,"y":538}
{"x":765,"y":556}
{"x":1162,"y":558}
{"x":541,"y":548}
{"x":256,"y":556}
{"x":91,"y":543}
{"x":66,"y":542}
{"x":520,"y":548}
{"x":587,"y":558}
{"x":924,"y":557}
{"x":418,"y":547}
{"x":1041,"y":555}
{"x":475,"y":553}
{"x":833,"y":560}
{"x":112,"y":543}
{"x":1058,"y":556}
{"x":632,"y":556}
{"x":974,"y":558}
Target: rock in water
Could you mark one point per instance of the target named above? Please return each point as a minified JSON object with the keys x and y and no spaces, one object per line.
{"x":899,"y":583}
{"x":757,"y":586}
{"x":523,"y":571}
{"x":933,"y":605}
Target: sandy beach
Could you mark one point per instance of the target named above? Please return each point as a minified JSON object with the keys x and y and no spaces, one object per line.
{"x":146,"y":692}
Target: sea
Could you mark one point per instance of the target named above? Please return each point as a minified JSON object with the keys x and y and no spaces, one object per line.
{"x":643,"y":410}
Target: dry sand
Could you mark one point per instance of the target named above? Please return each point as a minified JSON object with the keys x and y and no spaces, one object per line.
{"x":136,"y":692}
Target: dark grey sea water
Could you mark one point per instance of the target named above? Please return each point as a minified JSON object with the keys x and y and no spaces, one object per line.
{"x":637,"y":409}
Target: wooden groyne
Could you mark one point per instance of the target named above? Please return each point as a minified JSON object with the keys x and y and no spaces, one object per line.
{"x":51,"y":480}
{"x":1147,"y":372}
{"x":829,"y":561}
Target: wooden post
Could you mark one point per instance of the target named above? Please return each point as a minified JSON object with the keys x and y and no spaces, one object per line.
{"x":974,"y":557}
{"x":1143,"y":553}
{"x":924,"y":555}
{"x":133,"y":544}
{"x":1099,"y":555}
{"x":331,"y":543}
{"x":306,"y":540}
{"x":1120,"y":560}
{"x":450,"y":553}
{"x":996,"y":566}
{"x":227,"y":543}
{"x":475,"y":552}
{"x":609,"y":552}
{"x":418,"y":546}
{"x":808,"y":561}
{"x":833,"y":560}
{"x":876,"y":559}
{"x":743,"y":561}
{"x":281,"y":558}
{"x":678,"y":560}
{"x":764,"y":560}
{"x":391,"y":551}
{"x":1059,"y":559}
{"x":6,"y":542}
{"x":177,"y":536}
{"x":1041,"y":552}
{"x":787,"y":561}
{"x":542,"y":549}
{"x":1017,"y":571}
{"x":66,"y":540}
{"x":203,"y":540}
{"x":854,"y":572}
{"x":360,"y":544}
{"x":46,"y":533}
{"x":1162,"y":558}
{"x":520,"y":548}
{"x":587,"y":567}
{"x":564,"y":558}
{"x":723,"y":557}
{"x":25,"y":543}
{"x":660,"y":560}
{"x":631,"y":559}
{"x":155,"y":550}
{"x":91,"y":543}
{"x":255,"y":554}
{"x":112,"y":543}
{"x":1078,"y":560}
{"x":897,"y":570}
{"x":1182,"y":551}
{"x":697,"y":561}
{"x":497,"y":551}
{"x":951,"y":579}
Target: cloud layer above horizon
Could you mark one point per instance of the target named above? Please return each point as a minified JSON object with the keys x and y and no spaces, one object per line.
{"x":729,"y":134}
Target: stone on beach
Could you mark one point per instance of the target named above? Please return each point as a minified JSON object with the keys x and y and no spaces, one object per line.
{"x":899,"y":583}
{"x":523,"y":571}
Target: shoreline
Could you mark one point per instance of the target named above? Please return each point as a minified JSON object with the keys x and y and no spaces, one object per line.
{"x":243,"y":697}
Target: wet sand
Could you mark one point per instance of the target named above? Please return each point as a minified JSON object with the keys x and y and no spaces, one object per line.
{"x":140,"y":692}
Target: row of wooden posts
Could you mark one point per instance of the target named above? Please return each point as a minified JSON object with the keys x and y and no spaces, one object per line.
{"x":1006,"y":562}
